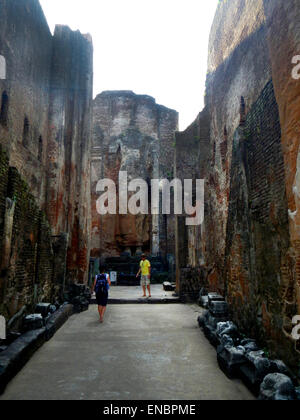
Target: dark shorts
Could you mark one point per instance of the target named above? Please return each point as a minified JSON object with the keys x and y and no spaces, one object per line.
{"x":102,"y":299}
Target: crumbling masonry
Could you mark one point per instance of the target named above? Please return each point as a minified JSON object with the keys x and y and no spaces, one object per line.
{"x":45,"y":125}
{"x":245,"y":144}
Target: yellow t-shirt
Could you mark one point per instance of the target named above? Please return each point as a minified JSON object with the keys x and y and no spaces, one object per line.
{"x":145,"y":267}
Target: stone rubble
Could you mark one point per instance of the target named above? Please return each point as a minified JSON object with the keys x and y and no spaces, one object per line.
{"x":240,"y":357}
{"x":277,"y":387}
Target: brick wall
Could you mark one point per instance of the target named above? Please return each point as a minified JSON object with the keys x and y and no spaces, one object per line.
{"x":49,"y":89}
{"x":30,"y":276}
{"x":260,"y":289}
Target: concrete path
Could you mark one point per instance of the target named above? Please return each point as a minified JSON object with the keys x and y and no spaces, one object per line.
{"x":134,"y":294}
{"x":150,"y":352}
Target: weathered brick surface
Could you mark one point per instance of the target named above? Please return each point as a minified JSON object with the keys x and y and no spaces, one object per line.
{"x":26,"y":44}
{"x":46,"y":136}
{"x":131,"y":133}
{"x":257,"y":260}
{"x":283,"y":24}
{"x":29,"y":276}
{"x":68,"y":186}
{"x":248,"y":245}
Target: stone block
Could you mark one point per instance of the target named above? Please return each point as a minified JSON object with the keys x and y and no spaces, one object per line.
{"x":43,"y":309}
{"x":228,"y":328}
{"x":52,"y":309}
{"x":230,"y":359}
{"x":203,"y":301}
{"x":202,"y":319}
{"x":33,"y":322}
{"x":277,"y":387}
{"x":213,"y":321}
{"x":215,"y":297}
{"x":226,"y":341}
{"x":168,"y":287}
{"x":218,"y":308}
{"x":211,"y":335}
{"x":249,"y":345}
{"x":256,"y":368}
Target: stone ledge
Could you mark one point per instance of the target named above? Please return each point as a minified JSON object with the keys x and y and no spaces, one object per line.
{"x":18,"y":353}
{"x":13,"y":359}
{"x":139,"y":301}
{"x":58,"y":319}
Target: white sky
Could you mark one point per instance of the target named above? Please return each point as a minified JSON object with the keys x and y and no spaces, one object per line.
{"x":153,"y":47}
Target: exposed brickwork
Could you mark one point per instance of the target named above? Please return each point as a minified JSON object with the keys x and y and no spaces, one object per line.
{"x":131,"y":133}
{"x":258,"y":239}
{"x":248,"y":245}
{"x":46,"y":135}
{"x":29,"y":276}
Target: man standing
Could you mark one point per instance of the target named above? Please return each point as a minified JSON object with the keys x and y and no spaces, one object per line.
{"x":145,"y":270}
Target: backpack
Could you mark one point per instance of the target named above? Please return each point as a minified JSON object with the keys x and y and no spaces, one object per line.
{"x":101,"y":284}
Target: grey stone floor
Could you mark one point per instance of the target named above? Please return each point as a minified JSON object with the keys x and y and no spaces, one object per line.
{"x":140,"y":352}
{"x":135,"y":293}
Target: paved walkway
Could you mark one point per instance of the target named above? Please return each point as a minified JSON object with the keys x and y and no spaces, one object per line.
{"x":134,"y":294}
{"x":140,"y":352}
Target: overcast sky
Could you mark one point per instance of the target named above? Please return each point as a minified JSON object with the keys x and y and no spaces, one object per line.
{"x":153,"y":47}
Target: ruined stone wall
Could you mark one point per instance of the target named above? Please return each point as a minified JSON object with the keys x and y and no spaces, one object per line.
{"x":260,"y":287}
{"x":26,"y":44}
{"x":283,"y":23}
{"x":68,"y":172}
{"x":131,"y":133}
{"x":239,"y":67}
{"x":27,"y":275}
{"x":250,"y":235}
{"x":45,"y":127}
{"x":238,"y":70}
{"x":191,"y":160}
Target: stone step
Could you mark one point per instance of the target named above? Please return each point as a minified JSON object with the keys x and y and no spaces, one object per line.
{"x":141,"y":301}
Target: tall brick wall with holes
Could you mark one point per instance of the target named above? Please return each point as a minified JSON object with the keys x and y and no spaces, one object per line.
{"x":259,"y":287}
{"x":70,"y":113}
{"x":238,"y":66}
{"x":45,"y":122}
{"x":250,"y":235}
{"x":28,"y":67}
{"x":282,"y":19}
{"x":45,"y":131}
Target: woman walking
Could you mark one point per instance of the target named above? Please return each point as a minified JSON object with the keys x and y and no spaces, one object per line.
{"x":101,"y":287}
